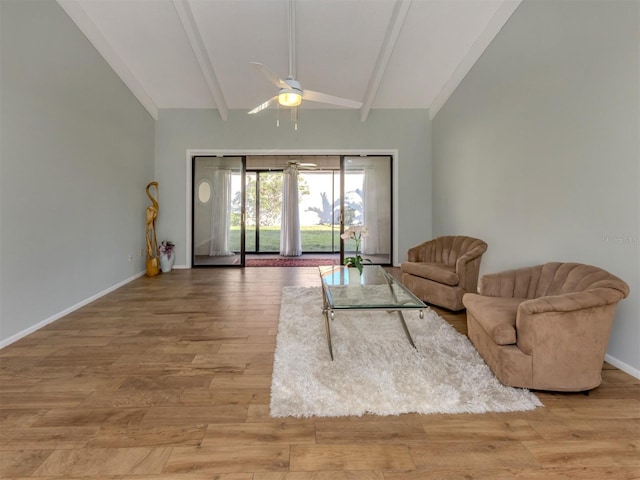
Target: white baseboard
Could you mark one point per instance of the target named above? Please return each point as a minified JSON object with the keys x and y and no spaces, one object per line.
{"x":53,"y":318}
{"x":634,"y":372}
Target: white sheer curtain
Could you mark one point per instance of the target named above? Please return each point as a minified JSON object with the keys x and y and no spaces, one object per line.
{"x":376,"y":208}
{"x":290,"y":240}
{"x":220,"y":213}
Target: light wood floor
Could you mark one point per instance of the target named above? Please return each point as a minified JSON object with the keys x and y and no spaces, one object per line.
{"x":169,"y":377}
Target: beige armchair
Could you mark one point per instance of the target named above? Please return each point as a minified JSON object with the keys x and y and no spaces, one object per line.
{"x":545,"y":327}
{"x":442,"y":270}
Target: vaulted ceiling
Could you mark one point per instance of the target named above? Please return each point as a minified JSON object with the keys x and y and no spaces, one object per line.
{"x":197,"y":53}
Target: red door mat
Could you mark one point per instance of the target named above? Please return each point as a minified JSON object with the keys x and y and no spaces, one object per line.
{"x":290,"y":262}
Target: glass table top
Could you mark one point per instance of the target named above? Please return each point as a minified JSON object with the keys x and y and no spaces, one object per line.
{"x":377,"y":289}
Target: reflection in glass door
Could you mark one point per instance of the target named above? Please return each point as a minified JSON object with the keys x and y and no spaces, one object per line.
{"x":366,"y":200}
{"x":320,"y":209}
{"x":263,"y":208}
{"x":218,"y":211}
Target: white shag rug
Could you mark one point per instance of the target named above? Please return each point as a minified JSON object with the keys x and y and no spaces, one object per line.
{"x":375,"y":369}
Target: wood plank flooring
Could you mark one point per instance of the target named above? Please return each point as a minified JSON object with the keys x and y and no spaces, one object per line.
{"x":169,"y":378}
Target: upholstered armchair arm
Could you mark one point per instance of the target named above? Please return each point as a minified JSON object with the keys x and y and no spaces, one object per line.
{"x":570,"y":302}
{"x":566,"y":337}
{"x":571,"y":317}
{"x":420,"y":253}
{"x":468,"y":267}
{"x":472,"y":254}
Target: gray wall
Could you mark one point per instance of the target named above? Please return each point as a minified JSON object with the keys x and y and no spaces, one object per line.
{"x":76,"y":153}
{"x":537,"y":150}
{"x":404,"y":130}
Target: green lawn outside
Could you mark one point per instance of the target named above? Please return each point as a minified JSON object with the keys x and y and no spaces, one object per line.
{"x":315,"y":238}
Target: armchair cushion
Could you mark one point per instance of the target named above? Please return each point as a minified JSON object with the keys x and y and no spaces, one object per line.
{"x":433,"y":271}
{"x":496,"y":315}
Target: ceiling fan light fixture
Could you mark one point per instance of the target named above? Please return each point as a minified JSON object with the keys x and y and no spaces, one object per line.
{"x":290,"y":93}
{"x":289,"y":98}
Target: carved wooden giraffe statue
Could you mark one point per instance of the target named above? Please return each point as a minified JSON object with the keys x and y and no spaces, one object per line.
{"x":153,"y":265}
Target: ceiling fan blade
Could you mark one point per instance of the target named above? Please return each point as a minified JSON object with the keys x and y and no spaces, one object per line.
{"x":262,"y":106}
{"x":302,"y":164}
{"x":272,"y":77}
{"x":326,"y":98}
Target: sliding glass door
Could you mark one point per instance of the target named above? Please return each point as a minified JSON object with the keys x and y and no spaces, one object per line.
{"x":218,"y":206}
{"x":366,"y":200}
{"x":244,"y":205}
{"x":320,"y":209}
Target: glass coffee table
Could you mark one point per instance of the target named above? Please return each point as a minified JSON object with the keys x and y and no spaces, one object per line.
{"x":377,"y":290}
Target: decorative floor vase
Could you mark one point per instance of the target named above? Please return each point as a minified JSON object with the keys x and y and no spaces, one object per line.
{"x":166,"y":262}
{"x":354,"y":276}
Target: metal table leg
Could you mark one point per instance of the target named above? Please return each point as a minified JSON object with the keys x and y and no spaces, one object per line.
{"x":325,"y":311}
{"x":406,"y":329}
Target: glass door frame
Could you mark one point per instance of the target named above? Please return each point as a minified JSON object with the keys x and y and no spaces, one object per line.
{"x":257,"y":206}
{"x":194,"y":188}
{"x":391,"y":205}
{"x":393,"y":153}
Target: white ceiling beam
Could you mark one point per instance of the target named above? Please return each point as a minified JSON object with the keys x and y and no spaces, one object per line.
{"x":503,"y":13}
{"x":204,"y":61}
{"x":77,"y":14}
{"x":400,"y":10}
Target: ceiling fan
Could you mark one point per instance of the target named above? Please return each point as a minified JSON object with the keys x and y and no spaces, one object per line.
{"x":291,"y":93}
{"x":301,"y":165}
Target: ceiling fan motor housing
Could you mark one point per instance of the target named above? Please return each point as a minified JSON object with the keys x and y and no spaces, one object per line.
{"x":292,"y":96}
